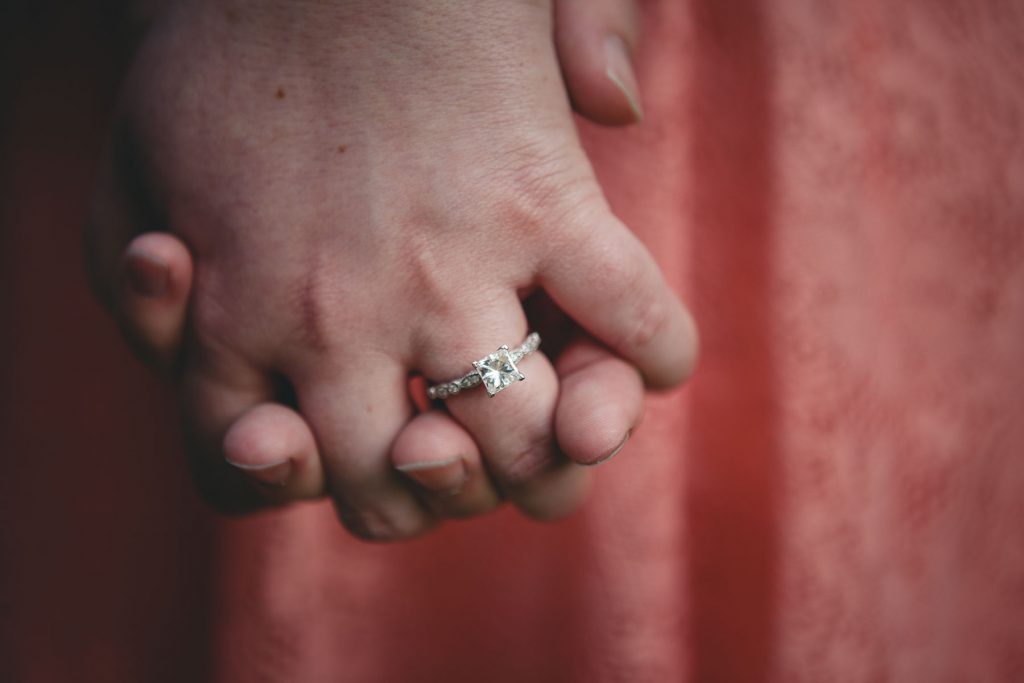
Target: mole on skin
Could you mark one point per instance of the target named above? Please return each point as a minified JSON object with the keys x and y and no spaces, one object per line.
{"x":280,"y":93}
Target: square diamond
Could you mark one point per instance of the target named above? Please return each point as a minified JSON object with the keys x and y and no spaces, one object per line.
{"x":498,"y":371}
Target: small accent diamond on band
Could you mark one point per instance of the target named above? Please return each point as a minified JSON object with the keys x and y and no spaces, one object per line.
{"x":497,"y":371}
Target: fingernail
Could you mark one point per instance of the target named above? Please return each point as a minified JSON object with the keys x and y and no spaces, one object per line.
{"x":272,"y":473}
{"x":441,"y":476}
{"x":615,"y":451}
{"x":147,"y":276}
{"x":619,"y":70}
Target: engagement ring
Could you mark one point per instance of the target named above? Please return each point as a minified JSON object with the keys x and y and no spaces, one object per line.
{"x":496,"y":372}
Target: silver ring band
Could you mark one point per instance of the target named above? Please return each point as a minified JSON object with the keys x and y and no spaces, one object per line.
{"x":496,"y":372}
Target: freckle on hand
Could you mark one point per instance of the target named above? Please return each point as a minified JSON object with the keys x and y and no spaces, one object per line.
{"x":280,"y":93}
{"x":342,"y":148}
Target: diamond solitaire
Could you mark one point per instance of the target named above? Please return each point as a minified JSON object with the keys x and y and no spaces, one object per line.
{"x":496,"y":372}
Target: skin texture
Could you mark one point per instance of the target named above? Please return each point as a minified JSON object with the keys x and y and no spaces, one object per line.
{"x":347,"y":193}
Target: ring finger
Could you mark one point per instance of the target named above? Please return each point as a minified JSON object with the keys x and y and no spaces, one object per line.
{"x":514,"y":428}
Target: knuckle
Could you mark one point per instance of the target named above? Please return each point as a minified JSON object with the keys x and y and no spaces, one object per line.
{"x":531,"y":461}
{"x":621,"y":271}
{"x":310,"y":304}
{"x":374,"y":527}
{"x":427,"y":274}
{"x":647,"y":310}
{"x":209,"y":315}
{"x":650,"y":320}
{"x":215,"y":323}
{"x":540,"y":186}
{"x":363,"y":525}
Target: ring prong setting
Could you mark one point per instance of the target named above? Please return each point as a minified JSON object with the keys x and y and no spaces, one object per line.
{"x":498,"y":371}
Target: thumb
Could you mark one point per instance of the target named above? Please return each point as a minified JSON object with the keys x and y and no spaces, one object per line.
{"x":595,"y":41}
{"x":143,"y":279}
{"x":156,"y":281}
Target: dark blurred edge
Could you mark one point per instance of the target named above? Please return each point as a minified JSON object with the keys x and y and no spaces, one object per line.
{"x":75,"y":48}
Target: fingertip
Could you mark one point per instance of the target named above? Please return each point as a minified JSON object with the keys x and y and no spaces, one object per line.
{"x":601,"y":402}
{"x":156,"y":286}
{"x":615,"y":291}
{"x":265,"y":434}
{"x":619,"y":71}
{"x":271,"y":444}
{"x":594,"y":42}
{"x":443,"y":459}
{"x":159,"y":267}
{"x":675,"y":362}
{"x":431,"y":437}
{"x":148,"y":277}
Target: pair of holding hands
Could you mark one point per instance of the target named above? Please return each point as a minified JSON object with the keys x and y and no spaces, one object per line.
{"x":304,"y":203}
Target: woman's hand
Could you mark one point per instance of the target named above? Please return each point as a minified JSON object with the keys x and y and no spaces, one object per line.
{"x":366,"y":190}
